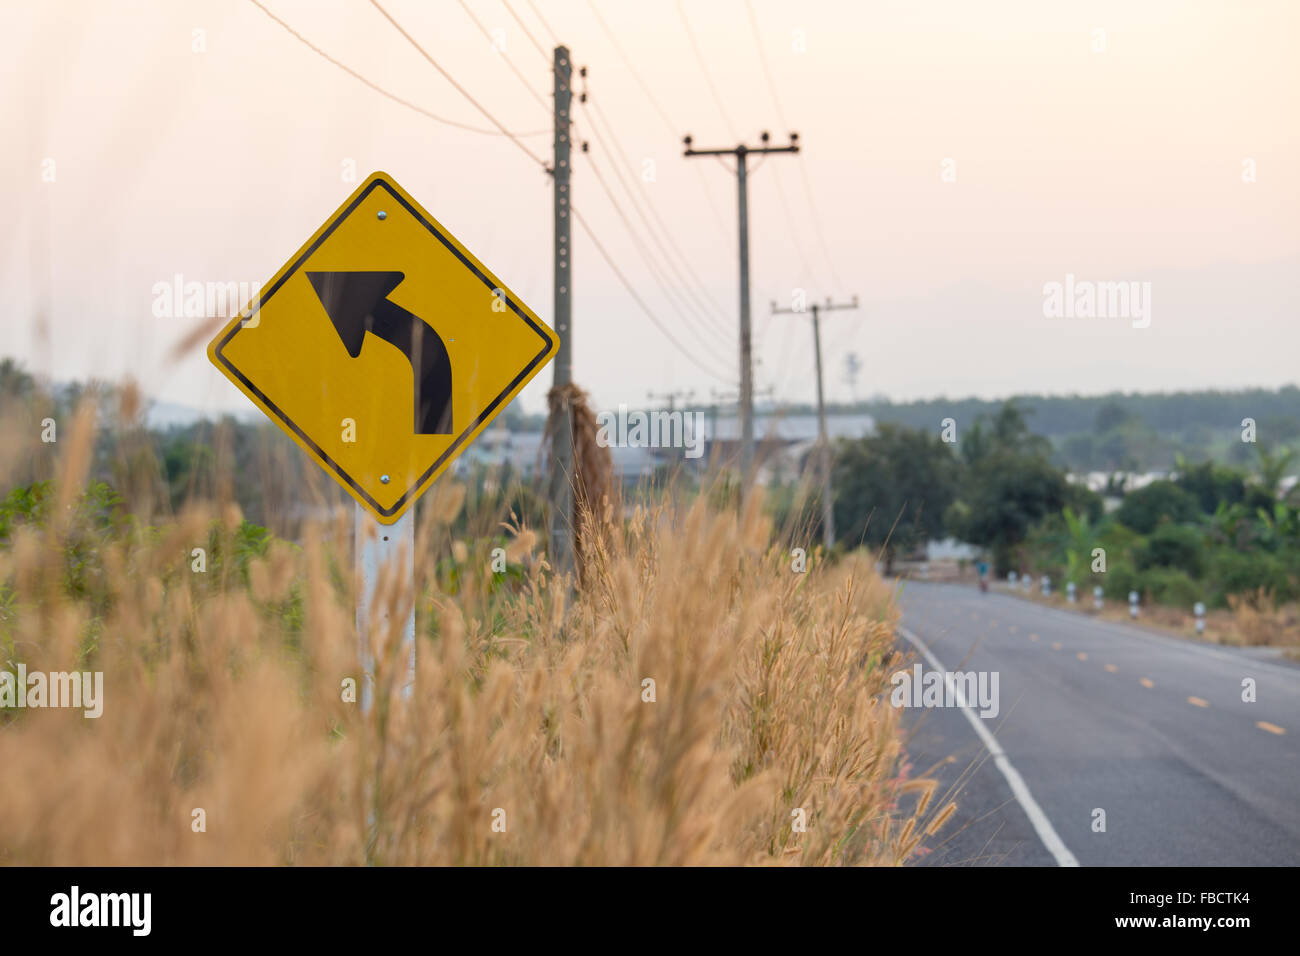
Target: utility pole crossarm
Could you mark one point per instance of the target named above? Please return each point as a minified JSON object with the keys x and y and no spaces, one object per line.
{"x":690,"y":151}
{"x":827,"y":306}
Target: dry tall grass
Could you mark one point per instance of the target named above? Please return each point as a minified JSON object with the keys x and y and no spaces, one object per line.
{"x":530,"y":710}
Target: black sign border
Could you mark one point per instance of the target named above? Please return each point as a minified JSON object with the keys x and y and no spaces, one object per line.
{"x":487,"y":413}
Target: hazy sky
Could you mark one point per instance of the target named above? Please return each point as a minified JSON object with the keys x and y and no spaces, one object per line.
{"x":1124,"y":163}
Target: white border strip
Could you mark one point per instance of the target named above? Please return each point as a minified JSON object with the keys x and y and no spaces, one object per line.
{"x":1042,"y":826}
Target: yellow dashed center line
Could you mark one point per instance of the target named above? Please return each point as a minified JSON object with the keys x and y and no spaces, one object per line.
{"x":1082,"y":656}
{"x":1056,"y":645}
{"x":1013,"y":629}
{"x":1198,"y":702}
{"x":1033,"y":637}
{"x":1147,"y":682}
{"x":1271,"y":728}
{"x":1112,"y":668}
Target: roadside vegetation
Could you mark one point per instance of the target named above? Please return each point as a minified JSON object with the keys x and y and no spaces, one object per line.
{"x":1224,"y":535}
{"x":695,"y":701}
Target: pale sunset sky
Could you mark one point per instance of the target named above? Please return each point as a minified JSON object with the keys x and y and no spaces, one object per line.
{"x":1134,"y":140}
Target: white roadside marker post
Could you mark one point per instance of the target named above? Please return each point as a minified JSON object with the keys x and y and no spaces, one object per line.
{"x":1071,"y":592}
{"x":1097,"y":597}
{"x":1199,"y":611}
{"x":1133,"y":604}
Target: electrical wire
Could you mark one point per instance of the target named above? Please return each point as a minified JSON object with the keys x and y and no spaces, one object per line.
{"x":725,"y":379}
{"x":645,"y":254}
{"x":803,"y":170}
{"x":537,"y":13}
{"x":712,"y":316}
{"x":504,"y":56}
{"x":383,"y":92}
{"x":527,"y":32}
{"x":673,"y":128}
{"x":523,"y":147}
{"x":460,"y":89}
{"x":699,"y":58}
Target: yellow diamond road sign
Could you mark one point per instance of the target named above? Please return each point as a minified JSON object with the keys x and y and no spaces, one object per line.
{"x":383,"y":347}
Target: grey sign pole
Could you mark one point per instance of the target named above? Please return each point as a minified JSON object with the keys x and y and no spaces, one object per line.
{"x":380,"y":546}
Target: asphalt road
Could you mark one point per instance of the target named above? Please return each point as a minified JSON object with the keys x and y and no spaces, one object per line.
{"x":1097,"y":715}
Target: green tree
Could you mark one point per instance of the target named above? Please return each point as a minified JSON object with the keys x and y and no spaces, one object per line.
{"x":1272,"y":466}
{"x":891,"y":489}
{"x":1010,"y":484}
{"x":1178,"y":546}
{"x":1082,"y":539}
{"x":1145,"y":508}
{"x":1111,"y":415}
{"x":1007,"y":493}
{"x":1210,"y":484}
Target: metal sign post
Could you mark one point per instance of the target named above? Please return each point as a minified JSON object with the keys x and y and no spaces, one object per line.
{"x":379,"y":546}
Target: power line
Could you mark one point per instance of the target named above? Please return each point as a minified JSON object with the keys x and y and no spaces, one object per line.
{"x":803,"y":170}
{"x":673,"y":128}
{"x":762,"y":56}
{"x":648,"y":203}
{"x":699,"y":58}
{"x":794,"y":234}
{"x":510,"y":63}
{"x":537,"y":13}
{"x":380,"y":90}
{"x":641,"y":302}
{"x":628,"y":63}
{"x":717,"y":99}
{"x":577,"y":214}
{"x":645,"y":255}
{"x":528,"y":34}
{"x":460,"y":89}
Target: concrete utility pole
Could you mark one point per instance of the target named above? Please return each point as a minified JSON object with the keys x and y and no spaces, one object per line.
{"x":823,"y":440}
{"x":562,"y":441}
{"x":741,"y":152}
{"x":671,"y":397}
{"x":720,"y":396}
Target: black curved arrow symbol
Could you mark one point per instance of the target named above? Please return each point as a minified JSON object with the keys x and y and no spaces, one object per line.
{"x":357,"y":303}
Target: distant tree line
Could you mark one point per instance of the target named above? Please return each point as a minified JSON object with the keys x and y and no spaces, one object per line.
{"x":1208,"y":531}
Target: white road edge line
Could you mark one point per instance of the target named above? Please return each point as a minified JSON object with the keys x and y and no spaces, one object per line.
{"x":1042,"y":826}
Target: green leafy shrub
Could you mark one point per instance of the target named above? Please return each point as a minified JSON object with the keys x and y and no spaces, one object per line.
{"x":1159,"y":501}
{"x":1172,"y":546}
{"x":1239,"y":572}
{"x":1120,"y":578}
{"x":1171,"y":586}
